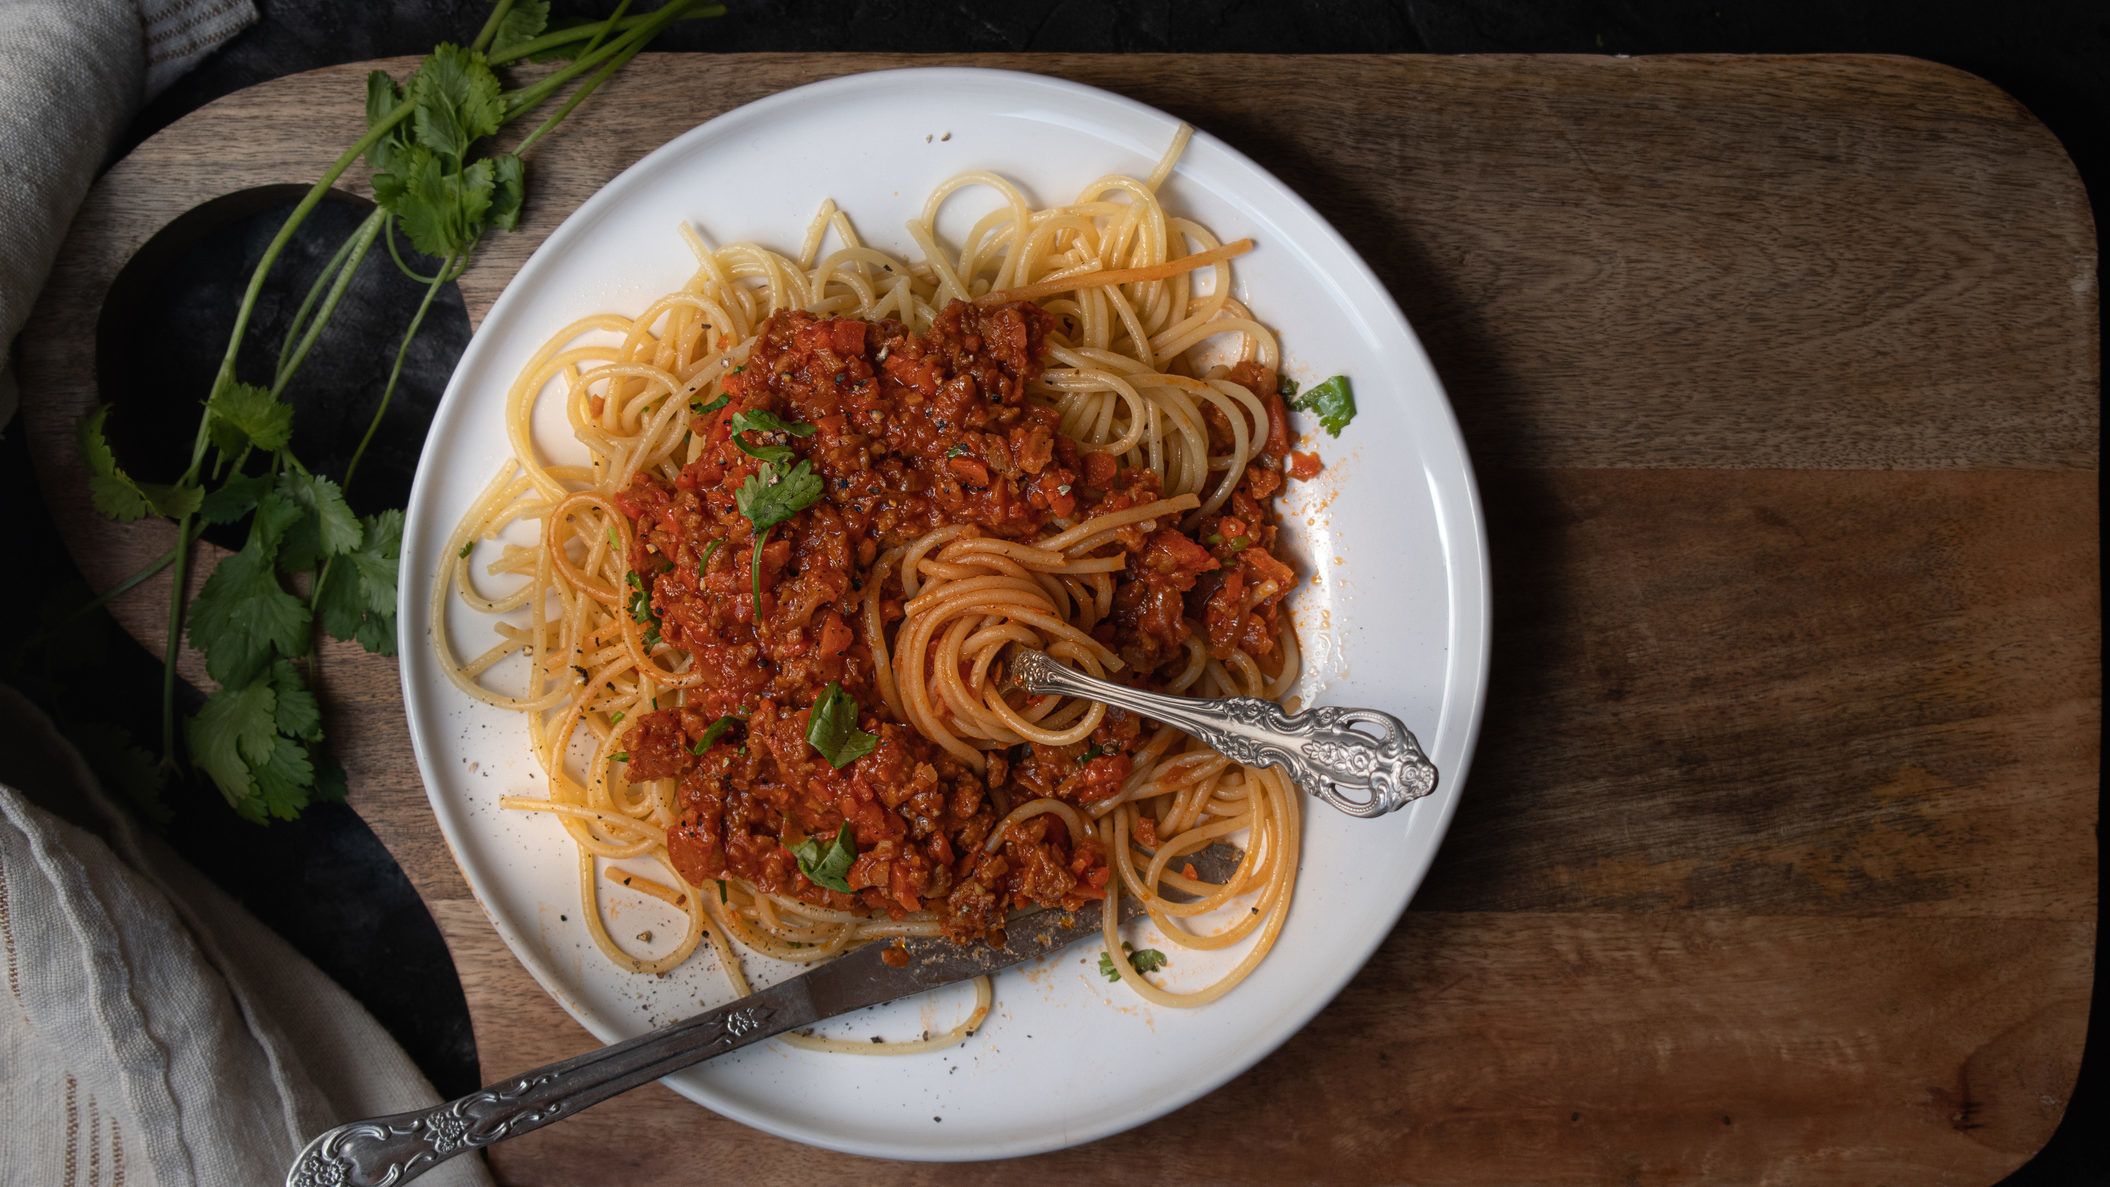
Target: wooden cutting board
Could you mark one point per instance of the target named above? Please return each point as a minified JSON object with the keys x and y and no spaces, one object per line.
{"x":1778,"y":859}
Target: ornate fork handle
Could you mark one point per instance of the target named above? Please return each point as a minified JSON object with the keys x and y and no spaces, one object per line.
{"x":1322,"y":749}
{"x":384,"y":1151}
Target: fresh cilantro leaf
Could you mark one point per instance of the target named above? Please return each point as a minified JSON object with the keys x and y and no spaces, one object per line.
{"x":1149,"y":960}
{"x":832,"y":728}
{"x":296,"y":714}
{"x":509,"y":191}
{"x":763,"y":420}
{"x":329,"y":527}
{"x":1334,"y":403}
{"x":523,"y":22}
{"x":772,"y":495}
{"x":457,"y":98}
{"x":829,"y":867}
{"x":282,"y":780}
{"x":359,"y":596}
{"x":702,"y":409}
{"x":275,"y":517}
{"x":711,"y":734}
{"x":114,"y":492}
{"x":383,"y":96}
{"x":442,"y":212}
{"x":243,"y":414}
{"x":235,"y":728}
{"x":235,"y":498}
{"x":775,"y":454}
{"x":243,"y":615}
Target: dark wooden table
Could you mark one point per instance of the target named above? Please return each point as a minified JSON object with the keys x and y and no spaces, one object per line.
{"x":1778,"y":862}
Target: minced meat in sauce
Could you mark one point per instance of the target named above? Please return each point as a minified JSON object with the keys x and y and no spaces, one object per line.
{"x":909,"y":432}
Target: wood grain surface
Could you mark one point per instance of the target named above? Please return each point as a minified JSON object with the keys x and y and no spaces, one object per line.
{"x":1778,"y":862}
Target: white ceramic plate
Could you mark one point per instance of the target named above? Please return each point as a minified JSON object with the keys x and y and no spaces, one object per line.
{"x":1397,"y":617}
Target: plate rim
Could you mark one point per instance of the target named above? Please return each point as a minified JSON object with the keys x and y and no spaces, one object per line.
{"x":1470,"y":623}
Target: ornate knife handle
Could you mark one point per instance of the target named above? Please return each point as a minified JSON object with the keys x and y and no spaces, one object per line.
{"x":1321,"y":749}
{"x":384,"y":1151}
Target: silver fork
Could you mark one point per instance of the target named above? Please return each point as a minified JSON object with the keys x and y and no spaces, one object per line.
{"x":1327,"y":751}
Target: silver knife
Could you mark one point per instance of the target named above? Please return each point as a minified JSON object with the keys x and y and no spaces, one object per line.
{"x":384,"y":1151}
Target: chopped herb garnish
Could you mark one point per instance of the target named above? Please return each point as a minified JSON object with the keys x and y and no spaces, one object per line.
{"x":702,"y":409}
{"x":832,"y":728}
{"x":1286,"y":387}
{"x":466,"y":550}
{"x":1149,"y":960}
{"x":622,"y":756}
{"x":1095,"y":750}
{"x":762,"y":420}
{"x":642,"y":611}
{"x":956,"y":451}
{"x":721,"y":890}
{"x":1333,"y":402}
{"x":772,"y":494}
{"x":774,"y":454}
{"x":617,"y":719}
{"x":709,"y":550}
{"x":831,"y":866}
{"x":711,"y":734}
{"x":615,"y":542}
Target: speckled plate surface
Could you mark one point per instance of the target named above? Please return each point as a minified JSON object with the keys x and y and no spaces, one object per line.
{"x":1395,"y":614}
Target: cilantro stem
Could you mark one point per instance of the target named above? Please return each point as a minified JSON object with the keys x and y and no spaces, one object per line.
{"x":520,"y":102}
{"x":579,"y":96}
{"x":307,"y":303}
{"x":395,"y":372}
{"x":388,"y":392}
{"x":615,"y":19}
{"x":349,"y":257}
{"x":395,"y":253}
{"x":562,"y":37}
{"x":278,"y":244}
{"x":168,"y":656}
{"x":491,"y":23}
{"x":104,"y":598}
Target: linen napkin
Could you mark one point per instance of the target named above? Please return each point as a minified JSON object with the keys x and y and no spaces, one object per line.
{"x":151,"y":1030}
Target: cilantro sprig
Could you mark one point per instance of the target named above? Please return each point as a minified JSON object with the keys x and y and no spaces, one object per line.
{"x":771,"y":495}
{"x":309,"y":560}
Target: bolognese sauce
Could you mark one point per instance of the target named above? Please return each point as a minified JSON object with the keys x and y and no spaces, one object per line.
{"x":907,"y":432}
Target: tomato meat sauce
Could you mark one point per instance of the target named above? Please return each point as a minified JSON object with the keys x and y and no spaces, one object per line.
{"x":906,"y":433}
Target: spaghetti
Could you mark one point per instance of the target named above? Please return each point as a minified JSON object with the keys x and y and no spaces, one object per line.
{"x":763,"y":624}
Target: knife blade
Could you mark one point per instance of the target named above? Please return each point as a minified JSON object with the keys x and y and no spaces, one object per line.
{"x":394,"y":1149}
